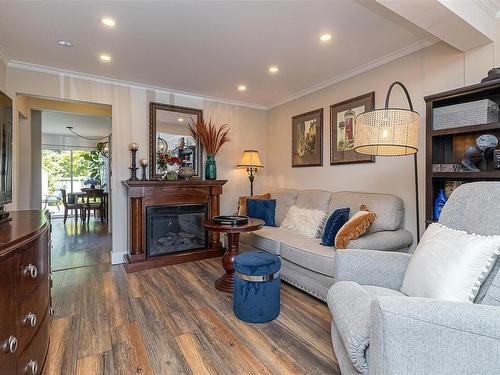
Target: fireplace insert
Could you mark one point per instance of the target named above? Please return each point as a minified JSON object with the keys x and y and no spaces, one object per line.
{"x":175,"y":228}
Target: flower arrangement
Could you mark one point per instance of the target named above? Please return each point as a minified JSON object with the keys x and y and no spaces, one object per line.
{"x":212,"y":137}
{"x":93,"y":182}
{"x":170,"y":165}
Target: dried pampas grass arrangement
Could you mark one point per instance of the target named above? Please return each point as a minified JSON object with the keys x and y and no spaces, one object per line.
{"x":211,"y":136}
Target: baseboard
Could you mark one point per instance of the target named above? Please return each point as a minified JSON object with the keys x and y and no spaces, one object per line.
{"x":117,"y":257}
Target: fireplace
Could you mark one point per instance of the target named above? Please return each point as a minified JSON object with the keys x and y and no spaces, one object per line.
{"x":165,"y":219}
{"x":175,"y":228}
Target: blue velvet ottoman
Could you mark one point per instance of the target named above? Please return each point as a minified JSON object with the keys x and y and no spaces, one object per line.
{"x":256,"y":293}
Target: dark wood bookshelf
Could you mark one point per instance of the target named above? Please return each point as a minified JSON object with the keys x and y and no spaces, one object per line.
{"x":467,"y":129}
{"x":483,"y":175}
{"x":446,"y":146}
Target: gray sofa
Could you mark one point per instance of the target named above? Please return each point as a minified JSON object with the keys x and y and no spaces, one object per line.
{"x":378,"y":330}
{"x":309,"y":265}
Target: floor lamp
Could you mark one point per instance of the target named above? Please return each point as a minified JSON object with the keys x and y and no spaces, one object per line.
{"x":390,"y":132}
{"x":251,"y":162}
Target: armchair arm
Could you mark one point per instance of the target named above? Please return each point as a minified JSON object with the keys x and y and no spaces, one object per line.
{"x":388,"y":240}
{"x":425,"y":336}
{"x":370,"y":267}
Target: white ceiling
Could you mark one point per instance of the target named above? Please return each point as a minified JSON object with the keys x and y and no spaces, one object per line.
{"x":56,"y":123}
{"x":207,"y":48}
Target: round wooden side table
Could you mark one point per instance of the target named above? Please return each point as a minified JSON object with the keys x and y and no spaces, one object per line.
{"x":225,"y":282}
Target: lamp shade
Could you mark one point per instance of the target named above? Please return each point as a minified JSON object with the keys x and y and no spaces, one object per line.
{"x":250,"y":159}
{"x":387,"y":132}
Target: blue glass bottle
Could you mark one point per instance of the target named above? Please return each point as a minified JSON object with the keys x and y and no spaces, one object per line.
{"x":210,"y":168}
{"x":439,"y":203}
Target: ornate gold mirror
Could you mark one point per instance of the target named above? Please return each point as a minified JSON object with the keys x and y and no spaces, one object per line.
{"x":169,"y":134}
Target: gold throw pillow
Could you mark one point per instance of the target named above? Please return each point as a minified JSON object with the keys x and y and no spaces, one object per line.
{"x":242,"y":204}
{"x":355,"y":227}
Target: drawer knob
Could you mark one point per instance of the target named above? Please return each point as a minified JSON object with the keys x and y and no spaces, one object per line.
{"x":32,"y":367}
{"x":30,"y":320}
{"x":31,"y":270}
{"x":10,"y":345}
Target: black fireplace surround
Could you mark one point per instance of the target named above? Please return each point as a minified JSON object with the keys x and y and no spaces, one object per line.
{"x":175,"y":228}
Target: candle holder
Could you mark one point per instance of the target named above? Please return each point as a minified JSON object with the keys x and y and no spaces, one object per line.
{"x":144,"y":164}
{"x":133,"y":147}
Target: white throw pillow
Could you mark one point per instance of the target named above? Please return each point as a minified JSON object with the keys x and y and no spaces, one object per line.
{"x":304,"y":221}
{"x":450,"y":264}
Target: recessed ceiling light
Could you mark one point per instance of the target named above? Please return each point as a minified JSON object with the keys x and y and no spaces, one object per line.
{"x":108,"y":21}
{"x":325,"y":37}
{"x":105,"y":58}
{"x":65,"y":43}
{"x":242,"y":88}
{"x":273,"y":69}
{"x":180,"y":119}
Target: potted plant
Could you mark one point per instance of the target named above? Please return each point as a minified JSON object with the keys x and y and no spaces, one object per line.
{"x":212,"y":137}
{"x":170,"y":165}
{"x":92,"y":182}
{"x":95,"y":165}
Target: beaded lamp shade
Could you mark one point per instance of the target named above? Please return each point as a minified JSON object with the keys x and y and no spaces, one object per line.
{"x":387,"y":132}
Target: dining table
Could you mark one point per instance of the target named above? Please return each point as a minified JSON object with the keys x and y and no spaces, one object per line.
{"x":85,"y":199}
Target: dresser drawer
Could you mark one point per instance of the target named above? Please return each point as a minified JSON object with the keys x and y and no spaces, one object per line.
{"x":31,"y":312}
{"x":33,"y":265}
{"x":8,"y":336}
{"x":31,"y":361}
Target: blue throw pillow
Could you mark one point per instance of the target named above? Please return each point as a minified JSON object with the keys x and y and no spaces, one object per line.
{"x":262,"y":209}
{"x":336,"y":220}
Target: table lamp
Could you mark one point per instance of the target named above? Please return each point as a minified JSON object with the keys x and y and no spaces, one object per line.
{"x":390,"y":132}
{"x":251,"y":162}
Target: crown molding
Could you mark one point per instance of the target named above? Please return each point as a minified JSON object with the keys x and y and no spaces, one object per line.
{"x":359,"y":70}
{"x":339,"y":78}
{"x":3,"y":55}
{"x":117,"y":82}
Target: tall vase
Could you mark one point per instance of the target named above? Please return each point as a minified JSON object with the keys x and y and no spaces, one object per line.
{"x":439,"y":203}
{"x":210,"y":168}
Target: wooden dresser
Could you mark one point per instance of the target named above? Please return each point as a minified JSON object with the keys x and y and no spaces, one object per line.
{"x":25,"y":301}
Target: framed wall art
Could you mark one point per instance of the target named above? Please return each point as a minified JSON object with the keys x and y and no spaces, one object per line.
{"x":307,"y":139}
{"x":343,"y":132}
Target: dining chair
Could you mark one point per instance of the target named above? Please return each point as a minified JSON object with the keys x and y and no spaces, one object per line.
{"x":95,"y":201}
{"x":70,"y":202}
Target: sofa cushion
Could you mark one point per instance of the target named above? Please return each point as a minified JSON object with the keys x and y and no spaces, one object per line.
{"x":285,"y":198}
{"x":382,"y":292}
{"x":242,"y":202}
{"x":263,"y":209}
{"x":387,"y":207}
{"x":314,"y":199}
{"x":310,"y":254}
{"x":304,"y":221}
{"x":336,"y":220}
{"x":269,"y":238}
{"x":387,"y":240}
{"x":350,"y":305}
{"x":355,"y":227}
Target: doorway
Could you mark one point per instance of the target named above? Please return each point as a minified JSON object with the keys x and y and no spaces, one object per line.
{"x":70,"y":166}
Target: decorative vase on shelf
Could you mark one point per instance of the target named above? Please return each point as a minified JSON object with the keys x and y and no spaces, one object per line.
{"x":210,"y":168}
{"x":171,"y":176}
{"x":439,"y":203}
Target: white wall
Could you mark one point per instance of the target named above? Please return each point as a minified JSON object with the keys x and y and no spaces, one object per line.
{"x":2,"y":75}
{"x":431,"y":70}
{"x":130,"y":121}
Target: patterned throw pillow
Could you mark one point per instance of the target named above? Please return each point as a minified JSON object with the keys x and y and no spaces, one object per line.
{"x":336,"y":220}
{"x":355,"y":227}
{"x":242,"y":203}
{"x":262,"y":209}
{"x":304,"y":221}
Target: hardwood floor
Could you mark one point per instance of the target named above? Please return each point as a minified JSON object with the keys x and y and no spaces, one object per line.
{"x":172,"y":320}
{"x":81,"y":244}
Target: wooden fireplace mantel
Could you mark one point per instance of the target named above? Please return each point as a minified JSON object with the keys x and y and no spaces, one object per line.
{"x":142,"y":194}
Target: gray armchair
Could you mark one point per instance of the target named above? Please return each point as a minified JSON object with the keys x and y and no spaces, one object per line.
{"x":378,"y":330}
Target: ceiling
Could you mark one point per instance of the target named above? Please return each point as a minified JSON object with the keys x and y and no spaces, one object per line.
{"x":208,"y":48}
{"x":56,"y":123}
